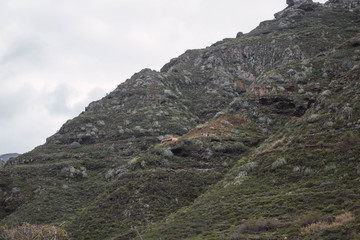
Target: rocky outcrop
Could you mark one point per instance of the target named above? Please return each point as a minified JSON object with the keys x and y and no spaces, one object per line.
{"x":291,"y":3}
{"x":296,"y":9}
{"x":344,"y":5}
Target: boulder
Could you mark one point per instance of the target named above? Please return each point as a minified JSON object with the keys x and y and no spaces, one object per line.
{"x":239,"y":34}
{"x":75,"y":145}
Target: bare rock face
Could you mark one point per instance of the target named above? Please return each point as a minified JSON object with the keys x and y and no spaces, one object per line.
{"x":291,"y":3}
{"x":350,"y":5}
{"x":296,"y":9}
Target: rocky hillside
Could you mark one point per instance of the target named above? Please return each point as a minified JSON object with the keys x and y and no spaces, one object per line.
{"x":266,"y":142}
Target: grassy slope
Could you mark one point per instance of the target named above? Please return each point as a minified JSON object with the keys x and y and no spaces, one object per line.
{"x":264,"y":197}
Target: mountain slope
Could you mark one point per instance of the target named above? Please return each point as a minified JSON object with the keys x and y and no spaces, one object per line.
{"x":268,"y":136}
{"x":306,"y":172}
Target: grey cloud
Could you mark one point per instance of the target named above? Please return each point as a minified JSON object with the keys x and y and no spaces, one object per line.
{"x":58,"y":100}
{"x":93,"y":95}
{"x":22,"y":50}
{"x":14,"y":103}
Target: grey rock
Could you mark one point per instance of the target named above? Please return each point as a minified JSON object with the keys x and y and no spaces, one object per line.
{"x":75,"y":145}
{"x":234,"y":131}
{"x":15,"y":190}
{"x":100,"y":123}
{"x":265,"y":120}
{"x":65,"y":170}
{"x":168,"y":93}
{"x":224,"y":122}
{"x":291,"y":3}
{"x":281,"y":89}
{"x":239,"y":34}
{"x":283,"y":25}
{"x":347,"y":5}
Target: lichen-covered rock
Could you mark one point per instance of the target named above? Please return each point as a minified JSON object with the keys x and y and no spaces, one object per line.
{"x":15,"y":190}
{"x":75,"y":145}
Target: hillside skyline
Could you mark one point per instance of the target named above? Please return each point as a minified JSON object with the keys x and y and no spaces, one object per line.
{"x":56,"y":59}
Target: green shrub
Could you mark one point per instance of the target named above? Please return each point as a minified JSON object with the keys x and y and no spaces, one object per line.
{"x":313,"y":118}
{"x":278,"y":163}
{"x":308,"y":171}
{"x":309,"y":218}
{"x":330,"y":168}
{"x":240,"y":147}
{"x":167,"y":153}
{"x":219,"y":148}
{"x":259,"y":225}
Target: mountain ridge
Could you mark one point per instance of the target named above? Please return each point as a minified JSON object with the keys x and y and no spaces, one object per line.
{"x":267,"y":120}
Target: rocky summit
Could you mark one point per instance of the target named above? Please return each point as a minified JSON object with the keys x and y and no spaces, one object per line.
{"x":254,"y":137}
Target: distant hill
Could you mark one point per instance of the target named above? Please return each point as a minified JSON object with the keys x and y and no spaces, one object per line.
{"x":7,"y":156}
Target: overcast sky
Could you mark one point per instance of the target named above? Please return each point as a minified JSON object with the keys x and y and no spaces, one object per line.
{"x":58,"y":56}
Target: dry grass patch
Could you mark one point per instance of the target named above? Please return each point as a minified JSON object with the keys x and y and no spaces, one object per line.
{"x":340,"y":220}
{"x":31,"y":232}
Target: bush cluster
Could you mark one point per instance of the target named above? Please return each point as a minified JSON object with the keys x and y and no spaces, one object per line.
{"x":278,"y":163}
